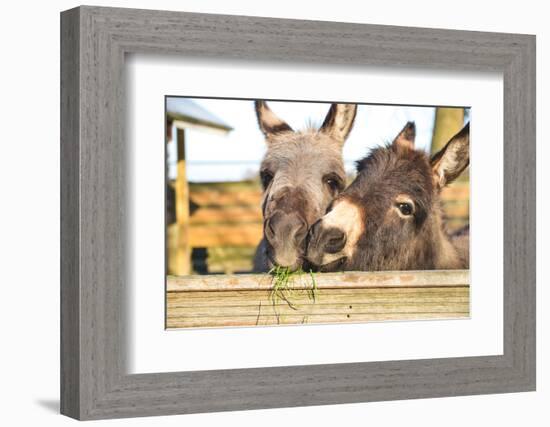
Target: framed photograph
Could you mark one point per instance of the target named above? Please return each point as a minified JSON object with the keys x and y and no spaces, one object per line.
{"x":261,"y":213}
{"x":294,"y":205}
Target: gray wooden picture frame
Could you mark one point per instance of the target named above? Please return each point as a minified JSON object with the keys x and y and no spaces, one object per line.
{"x":94,"y":268}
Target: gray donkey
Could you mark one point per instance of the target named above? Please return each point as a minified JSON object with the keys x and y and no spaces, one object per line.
{"x":301,"y":173}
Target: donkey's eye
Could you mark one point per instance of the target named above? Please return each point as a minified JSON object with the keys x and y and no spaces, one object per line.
{"x":405,"y":208}
{"x":333,"y":183}
{"x":266,"y":178}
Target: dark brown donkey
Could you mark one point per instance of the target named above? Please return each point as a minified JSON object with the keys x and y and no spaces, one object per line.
{"x":390,"y":217}
{"x":301,"y":174}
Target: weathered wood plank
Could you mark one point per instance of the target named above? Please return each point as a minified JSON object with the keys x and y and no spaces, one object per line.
{"x":377,"y":295}
{"x":231,"y":214}
{"x":320,"y":309}
{"x":215,"y":197}
{"x":345,"y":280}
{"x":207,"y":236}
{"x":248,"y":300}
{"x":205,"y":322}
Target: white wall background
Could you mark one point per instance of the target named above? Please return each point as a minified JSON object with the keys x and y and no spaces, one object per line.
{"x":29,"y":223}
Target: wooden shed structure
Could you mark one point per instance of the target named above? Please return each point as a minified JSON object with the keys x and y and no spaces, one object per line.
{"x":183,"y":114}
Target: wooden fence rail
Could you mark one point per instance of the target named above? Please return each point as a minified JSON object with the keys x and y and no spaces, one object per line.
{"x":251,"y":300}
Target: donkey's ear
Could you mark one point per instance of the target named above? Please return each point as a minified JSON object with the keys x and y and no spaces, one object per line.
{"x":451,"y":160}
{"x":268,"y":121}
{"x":339,"y":121}
{"x":406,"y":137}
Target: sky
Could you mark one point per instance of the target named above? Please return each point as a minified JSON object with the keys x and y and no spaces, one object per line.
{"x":212,"y":157}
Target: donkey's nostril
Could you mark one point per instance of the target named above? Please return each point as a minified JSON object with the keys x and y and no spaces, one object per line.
{"x":313,"y":230}
{"x":335,"y":240}
{"x":286,"y":229}
{"x":271,"y":225}
{"x":269,"y":228}
{"x":300,"y":234}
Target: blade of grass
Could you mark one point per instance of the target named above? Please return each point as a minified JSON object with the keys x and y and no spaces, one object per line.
{"x":314,"y":286}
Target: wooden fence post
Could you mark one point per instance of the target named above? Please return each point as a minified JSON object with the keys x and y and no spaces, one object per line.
{"x":448,"y":121}
{"x":182,"y":262}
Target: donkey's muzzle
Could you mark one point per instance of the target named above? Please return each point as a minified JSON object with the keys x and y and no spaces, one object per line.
{"x":324,"y":240}
{"x":286,"y":234}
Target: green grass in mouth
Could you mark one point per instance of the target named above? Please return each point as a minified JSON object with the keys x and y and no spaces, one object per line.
{"x":284,"y":285}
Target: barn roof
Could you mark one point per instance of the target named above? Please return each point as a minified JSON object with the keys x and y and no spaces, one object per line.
{"x":189,"y":111}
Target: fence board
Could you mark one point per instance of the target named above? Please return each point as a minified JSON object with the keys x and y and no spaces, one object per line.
{"x":217,"y":197}
{"x":347,"y":280}
{"x":382,"y":295}
{"x":210,"y":322}
{"x":230,"y":214}
{"x":248,"y":300}
{"x":208,"y":236}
